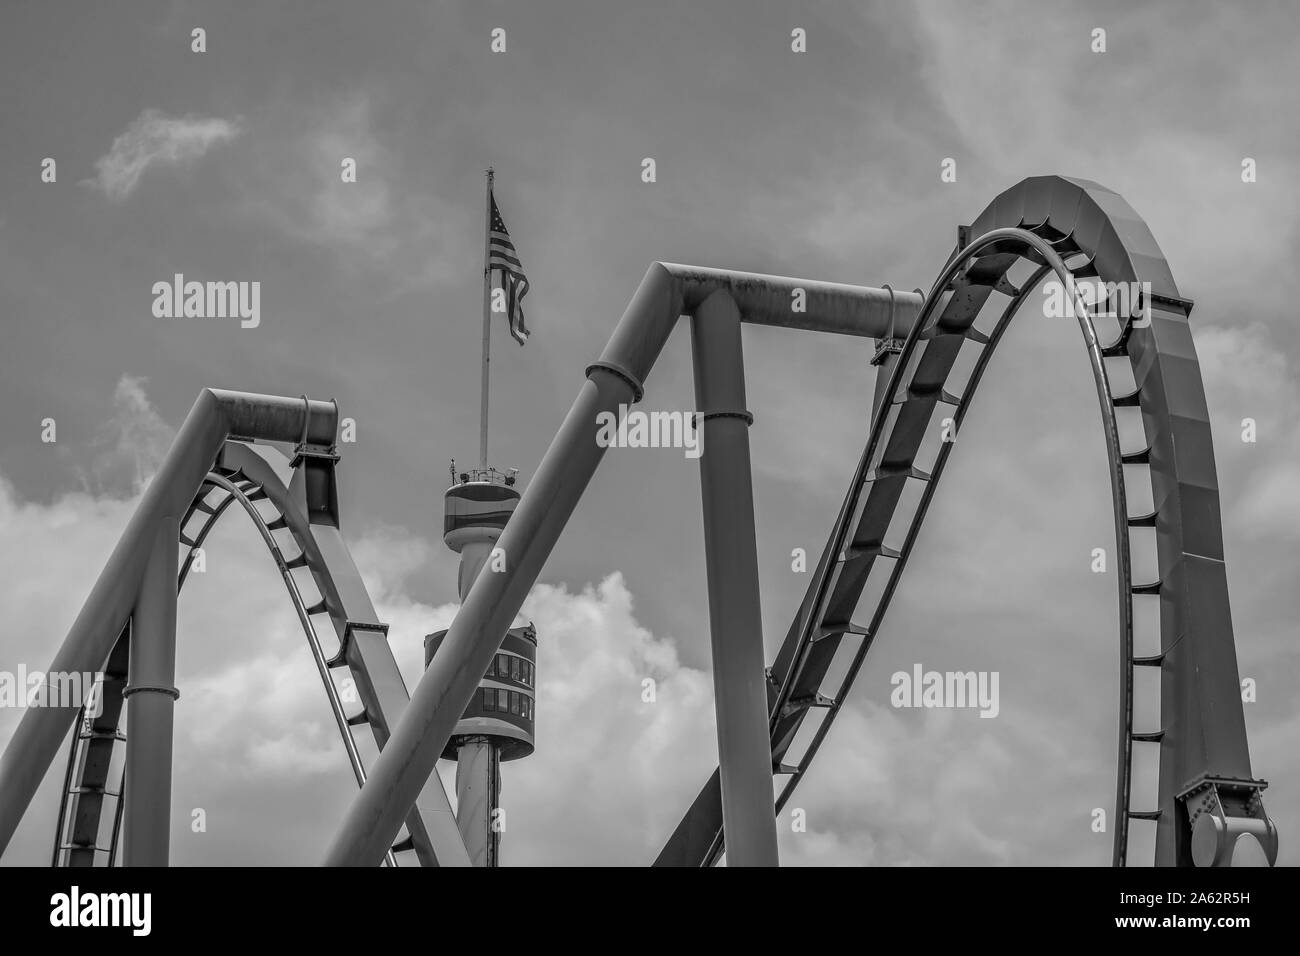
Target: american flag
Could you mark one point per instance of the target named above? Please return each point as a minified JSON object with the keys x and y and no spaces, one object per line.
{"x":502,"y":255}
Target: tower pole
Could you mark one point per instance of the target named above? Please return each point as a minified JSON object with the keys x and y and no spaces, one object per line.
{"x":487,"y":325}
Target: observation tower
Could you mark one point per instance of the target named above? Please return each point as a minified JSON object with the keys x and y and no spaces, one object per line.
{"x":498,"y":723}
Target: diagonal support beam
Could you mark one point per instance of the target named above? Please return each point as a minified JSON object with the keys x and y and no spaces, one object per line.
{"x":216,"y":416}
{"x":617,"y":378}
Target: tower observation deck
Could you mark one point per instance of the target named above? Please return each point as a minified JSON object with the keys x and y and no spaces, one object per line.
{"x":498,"y":723}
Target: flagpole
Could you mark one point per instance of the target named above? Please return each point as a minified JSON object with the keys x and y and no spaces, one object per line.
{"x":487,"y":326}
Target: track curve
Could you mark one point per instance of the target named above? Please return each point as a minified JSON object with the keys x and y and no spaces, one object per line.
{"x":241,"y":476}
{"x":1077,"y":230}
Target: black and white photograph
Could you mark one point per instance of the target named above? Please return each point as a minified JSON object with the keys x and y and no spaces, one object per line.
{"x":493,"y":434}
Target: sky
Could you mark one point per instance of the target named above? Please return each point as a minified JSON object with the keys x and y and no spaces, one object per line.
{"x":224,"y":165}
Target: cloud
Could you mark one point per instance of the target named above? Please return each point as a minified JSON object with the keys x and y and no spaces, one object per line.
{"x":909,"y":789}
{"x":382,"y":221}
{"x":362,"y":213}
{"x":1270,"y":506}
{"x":256,"y":749}
{"x":613,"y":772}
{"x":129,"y":447}
{"x":1248,"y":376}
{"x":153,"y":137}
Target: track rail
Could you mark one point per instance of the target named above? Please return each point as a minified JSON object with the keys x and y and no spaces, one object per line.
{"x":1043,"y":226}
{"x":242,"y":477}
{"x":1045,"y":222}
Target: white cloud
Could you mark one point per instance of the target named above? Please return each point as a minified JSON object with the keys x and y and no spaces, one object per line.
{"x":381,"y":221}
{"x":1270,"y":507}
{"x":257,"y":750}
{"x":132,"y":444}
{"x":363,"y":210}
{"x":612,"y":773}
{"x":1248,"y":376}
{"x":895,"y":789}
{"x":154,"y":137}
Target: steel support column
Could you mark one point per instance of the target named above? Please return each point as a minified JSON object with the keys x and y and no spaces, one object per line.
{"x":731,"y":559}
{"x":616,"y":379}
{"x":216,"y":415}
{"x":454,"y":674}
{"x":150,"y":699}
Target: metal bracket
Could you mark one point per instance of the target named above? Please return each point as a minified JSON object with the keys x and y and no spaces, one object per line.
{"x":305,"y":449}
{"x":891,"y":344}
{"x":700,"y":417}
{"x":1173,"y":303}
{"x":171,"y":692}
{"x":1222,"y":809}
{"x":341,"y":655}
{"x":638,"y":389}
{"x":885,"y":348}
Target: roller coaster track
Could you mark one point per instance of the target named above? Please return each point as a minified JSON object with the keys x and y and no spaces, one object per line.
{"x":1040,"y":225}
{"x":1044,"y":227}
{"x":242,"y":476}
